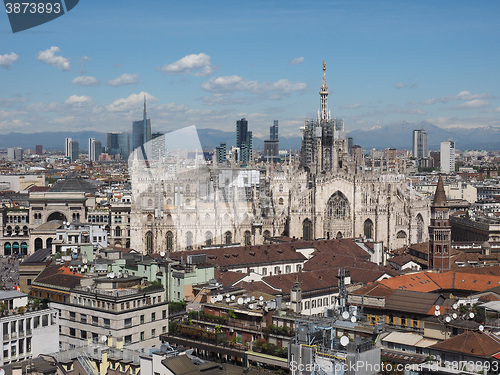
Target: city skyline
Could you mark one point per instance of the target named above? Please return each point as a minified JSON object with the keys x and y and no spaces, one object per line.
{"x":386,"y":63}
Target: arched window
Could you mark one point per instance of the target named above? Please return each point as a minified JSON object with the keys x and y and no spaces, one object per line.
{"x":368,"y":228}
{"x":118,"y":232}
{"x":338,"y":206}
{"x":420,"y":228}
{"x":150,"y":218}
{"x":189,"y":240}
{"x":170,"y":241}
{"x":7,"y":248}
{"x":24,"y":248}
{"x":248,"y":237}
{"x":149,"y":242}
{"x":228,"y":238}
{"x":307,"y":230}
{"x":339,"y":235}
{"x":48,"y":242}
{"x":208,"y":238}
{"x":150,"y":203}
{"x":38,"y":244}
{"x":281,"y":202}
{"x":401,"y":234}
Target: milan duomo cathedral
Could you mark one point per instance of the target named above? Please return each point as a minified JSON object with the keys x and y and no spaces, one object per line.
{"x":182,"y":202}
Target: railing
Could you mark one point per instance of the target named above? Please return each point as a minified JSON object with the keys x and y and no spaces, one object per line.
{"x":86,"y":363}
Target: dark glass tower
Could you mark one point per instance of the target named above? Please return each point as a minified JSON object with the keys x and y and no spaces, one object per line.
{"x":141,"y":130}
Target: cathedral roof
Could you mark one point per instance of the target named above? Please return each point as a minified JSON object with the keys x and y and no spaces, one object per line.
{"x":74,"y":185}
{"x":440,"y":195}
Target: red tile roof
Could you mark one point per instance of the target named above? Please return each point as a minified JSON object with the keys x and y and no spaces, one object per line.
{"x":478,"y":344}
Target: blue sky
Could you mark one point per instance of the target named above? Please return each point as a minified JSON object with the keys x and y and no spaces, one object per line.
{"x":209,"y":63}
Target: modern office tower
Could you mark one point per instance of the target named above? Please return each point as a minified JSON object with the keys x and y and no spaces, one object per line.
{"x":157,"y":146}
{"x":74,"y":151}
{"x":15,"y":153}
{"x":39,"y":149}
{"x":95,"y":149}
{"x":273,"y":132}
{"x":420,"y":149}
{"x":67,"y":152}
{"x":244,"y":141}
{"x":118,"y":144}
{"x":350,"y":143}
{"x":272,"y":145}
{"x":221,"y":152}
{"x":447,"y":157}
{"x":141,"y":130}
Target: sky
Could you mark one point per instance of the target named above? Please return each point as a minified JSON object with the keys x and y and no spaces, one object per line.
{"x":210,"y":63}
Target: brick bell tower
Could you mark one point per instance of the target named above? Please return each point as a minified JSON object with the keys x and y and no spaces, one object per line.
{"x":440,"y":231}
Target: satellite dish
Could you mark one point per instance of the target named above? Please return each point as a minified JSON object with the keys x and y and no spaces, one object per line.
{"x":228,"y":299}
{"x":233,"y":298}
{"x":261,"y":298}
{"x":437,"y":313}
{"x":219,"y":297}
{"x":253,"y":298}
{"x":471,"y":315}
{"x":112,"y":275}
{"x":213,"y":299}
{"x":247,"y":300}
{"x":437,"y":307}
{"x":162,"y":254}
{"x":455,"y":306}
{"x":251,"y":306}
{"x":240,"y":301}
{"x":344,"y":340}
{"x":481,"y":328}
{"x":353,"y":319}
{"x":345,"y":315}
{"x":104,"y":338}
{"x":228,"y":295}
{"x":454,"y":316}
{"x":447,"y":319}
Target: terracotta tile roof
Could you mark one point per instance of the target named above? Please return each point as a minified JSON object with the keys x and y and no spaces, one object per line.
{"x":228,"y":278}
{"x":451,"y":280}
{"x":309,"y":281}
{"x":478,"y":344}
{"x":413,"y":302}
{"x":375,"y":289}
{"x":258,"y":286}
{"x":400,"y":260}
{"x":59,"y":276}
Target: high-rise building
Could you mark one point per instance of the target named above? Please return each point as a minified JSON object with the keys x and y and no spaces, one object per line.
{"x":73,"y":150}
{"x":95,"y":149}
{"x":447,"y":157}
{"x":440,"y":231}
{"x":244,"y":141}
{"x":67,"y":152}
{"x":39,"y":149}
{"x":273,"y":132}
{"x":141,"y":130}
{"x":221,"y":152}
{"x":350,"y":143}
{"x":420,"y":148}
{"x":118,"y":144}
{"x":272,"y":145}
{"x":15,"y":153}
{"x":158,"y":145}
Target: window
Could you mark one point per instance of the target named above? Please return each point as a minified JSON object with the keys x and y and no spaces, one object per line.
{"x":83,"y":334}
{"x":164,"y":329}
{"x":368,"y":229}
{"x":248,"y":238}
{"x":72,"y":332}
{"x":277,"y":270}
{"x":95,"y":320}
{"x":164,"y":314}
{"x":72,"y":316}
{"x":128,"y":339}
{"x":142,"y":319}
{"x":128,"y":322}
{"x":142,"y":336}
{"x":288,"y":269}
{"x":153,"y":333}
{"x":83,"y":318}
{"x":153,"y":317}
{"x":307,"y":230}
{"x":338,"y":206}
{"x":170,"y":241}
{"x":264,"y":271}
{"x":106,"y":323}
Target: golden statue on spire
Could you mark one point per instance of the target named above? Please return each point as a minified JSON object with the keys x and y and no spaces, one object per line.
{"x":324,"y":66}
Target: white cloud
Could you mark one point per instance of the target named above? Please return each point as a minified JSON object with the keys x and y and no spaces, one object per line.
{"x":49,"y":57}
{"x":8,"y":59}
{"x":196,"y":65}
{"x":462,"y":95}
{"x":229,"y":84}
{"x":297,"y":60}
{"x":77,"y":100}
{"x":131,"y":103}
{"x":85,"y":81}
{"x":124,"y":79}
{"x":472,"y":104}
{"x":399,"y":85}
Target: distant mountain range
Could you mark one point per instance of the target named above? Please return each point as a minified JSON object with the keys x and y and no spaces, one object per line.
{"x":394,"y":135}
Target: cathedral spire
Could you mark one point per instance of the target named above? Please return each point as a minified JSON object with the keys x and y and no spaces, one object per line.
{"x":324,"y":114}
